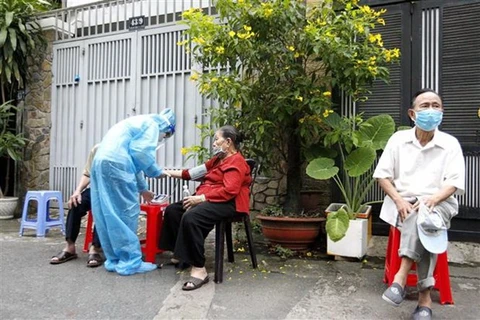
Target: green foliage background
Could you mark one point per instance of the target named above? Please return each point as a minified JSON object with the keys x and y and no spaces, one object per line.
{"x":272,"y":66}
{"x":20,"y":39}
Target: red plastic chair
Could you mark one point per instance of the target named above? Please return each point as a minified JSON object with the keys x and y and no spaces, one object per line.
{"x":154,"y":228}
{"x":88,"y":232}
{"x":441,"y":273}
{"x":154,"y":214}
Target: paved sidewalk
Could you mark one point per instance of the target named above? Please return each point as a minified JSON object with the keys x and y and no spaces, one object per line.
{"x":31,"y":288}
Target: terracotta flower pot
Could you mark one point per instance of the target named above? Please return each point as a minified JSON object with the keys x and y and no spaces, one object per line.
{"x":291,"y":233}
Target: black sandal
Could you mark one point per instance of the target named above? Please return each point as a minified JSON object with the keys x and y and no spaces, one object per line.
{"x":94,"y":260}
{"x":196,"y":283}
{"x":62,"y":257}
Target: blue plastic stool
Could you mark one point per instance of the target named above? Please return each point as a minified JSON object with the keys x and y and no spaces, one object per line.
{"x":43,"y":222}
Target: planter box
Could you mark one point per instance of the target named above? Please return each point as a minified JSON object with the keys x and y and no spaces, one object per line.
{"x":366,"y":214}
{"x":355,"y":242}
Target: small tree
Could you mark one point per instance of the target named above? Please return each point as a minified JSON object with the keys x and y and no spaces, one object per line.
{"x":272,"y":64}
{"x":20,"y":39}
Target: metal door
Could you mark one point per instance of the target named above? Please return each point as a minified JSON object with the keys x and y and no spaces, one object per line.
{"x":102,"y":80}
{"x":65,"y":143}
{"x":440,"y":45}
{"x":451,"y":47}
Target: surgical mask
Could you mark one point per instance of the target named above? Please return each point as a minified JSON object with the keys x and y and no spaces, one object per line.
{"x":428,"y":120}
{"x":218,"y":151}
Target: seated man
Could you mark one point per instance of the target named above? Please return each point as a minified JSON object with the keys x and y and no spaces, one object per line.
{"x":420,"y":170}
{"x":79,"y":204}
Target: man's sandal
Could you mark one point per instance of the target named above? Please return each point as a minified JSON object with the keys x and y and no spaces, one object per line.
{"x":94,"y":260}
{"x":194,"y":283}
{"x":62,"y":257}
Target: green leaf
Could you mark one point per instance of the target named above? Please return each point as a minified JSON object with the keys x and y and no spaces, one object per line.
{"x":13,"y":38}
{"x":8,"y":18}
{"x":21,"y":26}
{"x":16,"y":72}
{"x":8,"y":74}
{"x":23,"y":46}
{"x":322,"y":169}
{"x":337,"y":225}
{"x":360,"y":161}
{"x":3,"y":36}
{"x":333,"y":120}
{"x":376,"y":131}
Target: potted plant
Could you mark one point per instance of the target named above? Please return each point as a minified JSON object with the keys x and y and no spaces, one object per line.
{"x":295,"y":233}
{"x":271,"y":66}
{"x":356,"y":142}
{"x":11,"y":145}
{"x":21,"y":39}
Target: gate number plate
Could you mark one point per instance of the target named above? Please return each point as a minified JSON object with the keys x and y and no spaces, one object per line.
{"x":136,"y":22}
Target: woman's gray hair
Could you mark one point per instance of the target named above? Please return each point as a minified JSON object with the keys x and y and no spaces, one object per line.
{"x":232,"y":133}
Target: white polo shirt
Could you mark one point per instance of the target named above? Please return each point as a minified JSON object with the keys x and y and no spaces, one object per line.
{"x":420,"y":171}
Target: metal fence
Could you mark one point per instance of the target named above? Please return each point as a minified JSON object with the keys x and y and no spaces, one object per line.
{"x":109,"y":17}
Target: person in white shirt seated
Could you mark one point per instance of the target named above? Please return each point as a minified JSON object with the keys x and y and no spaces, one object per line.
{"x":420,"y":170}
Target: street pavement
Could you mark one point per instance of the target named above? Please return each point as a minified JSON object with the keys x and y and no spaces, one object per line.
{"x":315,"y":287}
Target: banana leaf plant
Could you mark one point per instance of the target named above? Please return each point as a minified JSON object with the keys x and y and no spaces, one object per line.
{"x":356,"y":143}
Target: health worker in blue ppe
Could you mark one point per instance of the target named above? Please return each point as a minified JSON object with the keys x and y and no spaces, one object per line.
{"x":126,"y":154}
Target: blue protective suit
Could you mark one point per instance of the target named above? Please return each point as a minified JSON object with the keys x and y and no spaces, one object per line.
{"x":126,"y":153}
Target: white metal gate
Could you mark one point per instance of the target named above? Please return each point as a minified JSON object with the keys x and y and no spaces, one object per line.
{"x":100,"y":81}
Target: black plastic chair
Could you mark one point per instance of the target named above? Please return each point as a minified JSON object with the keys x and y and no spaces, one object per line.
{"x":223,"y":230}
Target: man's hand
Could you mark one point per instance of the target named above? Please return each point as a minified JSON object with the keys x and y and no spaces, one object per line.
{"x":430,"y":202}
{"x":148,"y":196}
{"x":192,"y":201}
{"x":75,"y":199}
{"x":404,"y":208}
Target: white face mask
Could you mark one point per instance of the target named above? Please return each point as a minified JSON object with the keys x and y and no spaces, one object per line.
{"x":218,"y":150}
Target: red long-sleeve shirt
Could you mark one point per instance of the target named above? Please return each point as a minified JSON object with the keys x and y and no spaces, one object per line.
{"x":226,"y":179}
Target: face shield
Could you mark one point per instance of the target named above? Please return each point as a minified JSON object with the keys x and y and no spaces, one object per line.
{"x":161,"y":141}
{"x":165,"y":135}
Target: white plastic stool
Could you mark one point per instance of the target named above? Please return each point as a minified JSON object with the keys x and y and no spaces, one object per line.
{"x":43,"y":222}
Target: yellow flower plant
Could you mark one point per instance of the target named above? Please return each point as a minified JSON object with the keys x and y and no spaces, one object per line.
{"x":271,"y":65}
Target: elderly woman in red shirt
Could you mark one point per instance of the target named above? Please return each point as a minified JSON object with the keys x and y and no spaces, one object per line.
{"x":224,"y":191}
